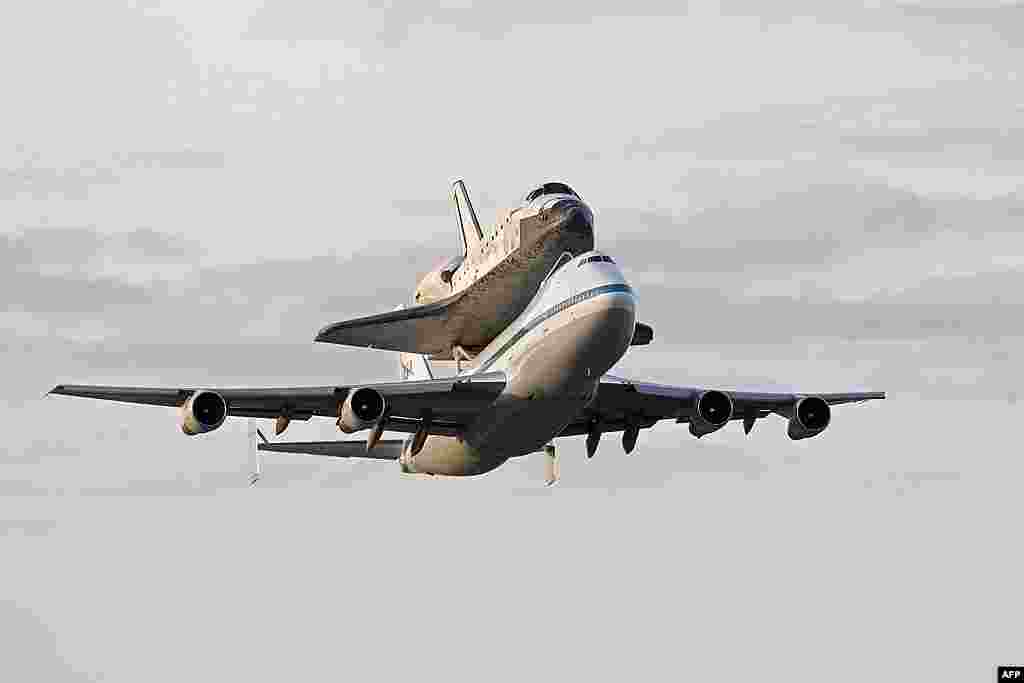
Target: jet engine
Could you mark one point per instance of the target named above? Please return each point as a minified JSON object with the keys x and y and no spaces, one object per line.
{"x":362,"y":409}
{"x":203,"y":412}
{"x":714,"y":409}
{"x":811,"y":415}
{"x":642,"y":335}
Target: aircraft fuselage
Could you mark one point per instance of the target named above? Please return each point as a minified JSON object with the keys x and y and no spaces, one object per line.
{"x":575,"y":329}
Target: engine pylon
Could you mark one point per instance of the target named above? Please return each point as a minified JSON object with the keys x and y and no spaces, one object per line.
{"x":593,"y":439}
{"x":748,"y":423}
{"x":421,"y":434}
{"x":629,"y":437}
{"x":550,"y":465}
{"x":281,"y":424}
{"x":374,"y":436}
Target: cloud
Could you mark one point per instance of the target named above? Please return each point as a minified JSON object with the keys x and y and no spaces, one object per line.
{"x":26,"y":527}
{"x":711,"y":317}
{"x":61,"y":273}
{"x":84,"y":249}
{"x":69,"y":289}
{"x":839,"y":129}
{"x":1003,"y":19}
{"x":183,"y":485}
{"x":422,"y":207}
{"x":21,"y":487}
{"x":922,"y":18}
{"x":41,"y":447}
{"x":850,"y":139}
{"x":802,"y":229}
{"x":916,"y":479}
{"x":37,"y":653}
{"x":389,"y":27}
{"x":68,"y":178}
{"x":177,"y":159}
{"x":36,"y":181}
{"x":866,"y":262}
{"x":781,"y":131}
{"x":70,"y":295}
{"x":657,"y":465}
{"x":982,"y":145}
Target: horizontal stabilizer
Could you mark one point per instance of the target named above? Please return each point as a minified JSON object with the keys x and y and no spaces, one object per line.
{"x":384,"y":450}
{"x":421,"y":329}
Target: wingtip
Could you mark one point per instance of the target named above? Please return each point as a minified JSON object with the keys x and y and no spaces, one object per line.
{"x":59,"y":389}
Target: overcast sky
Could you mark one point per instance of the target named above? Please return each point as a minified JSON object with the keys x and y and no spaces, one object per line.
{"x":819,"y":195}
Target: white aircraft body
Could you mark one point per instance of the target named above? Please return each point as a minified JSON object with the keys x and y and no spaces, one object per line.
{"x":541,"y":378}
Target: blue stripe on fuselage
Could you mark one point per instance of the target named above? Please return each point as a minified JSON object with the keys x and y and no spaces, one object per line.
{"x":548,"y":314}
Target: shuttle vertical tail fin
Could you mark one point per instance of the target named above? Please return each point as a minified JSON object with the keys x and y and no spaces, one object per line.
{"x":469,"y":225}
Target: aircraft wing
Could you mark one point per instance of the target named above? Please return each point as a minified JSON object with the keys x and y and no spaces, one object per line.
{"x":452,"y":401}
{"x":420,"y":329}
{"x":622,"y":402}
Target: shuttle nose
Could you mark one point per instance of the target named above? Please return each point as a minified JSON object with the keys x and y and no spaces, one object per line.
{"x":575,"y":216}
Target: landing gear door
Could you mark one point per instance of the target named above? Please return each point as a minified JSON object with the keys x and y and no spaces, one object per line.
{"x":469,"y":226}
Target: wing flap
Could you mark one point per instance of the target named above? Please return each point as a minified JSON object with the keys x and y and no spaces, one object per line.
{"x":853,"y":397}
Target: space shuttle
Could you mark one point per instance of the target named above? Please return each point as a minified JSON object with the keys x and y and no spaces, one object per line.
{"x":464,"y":303}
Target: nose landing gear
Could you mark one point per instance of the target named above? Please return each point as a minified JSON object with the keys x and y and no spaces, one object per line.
{"x":550,"y":465}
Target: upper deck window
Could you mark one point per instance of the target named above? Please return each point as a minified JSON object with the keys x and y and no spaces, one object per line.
{"x":550,"y":188}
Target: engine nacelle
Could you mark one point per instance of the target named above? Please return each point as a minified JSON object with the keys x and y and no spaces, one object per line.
{"x":203,"y":412}
{"x":810,"y":417}
{"x":642,"y":335}
{"x":362,"y":409}
{"x":713,"y":411}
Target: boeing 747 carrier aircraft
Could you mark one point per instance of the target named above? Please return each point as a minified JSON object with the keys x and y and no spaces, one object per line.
{"x":542,"y":377}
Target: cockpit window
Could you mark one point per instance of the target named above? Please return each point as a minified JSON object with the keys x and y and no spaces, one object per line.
{"x":550,"y":188}
{"x":600,"y":258}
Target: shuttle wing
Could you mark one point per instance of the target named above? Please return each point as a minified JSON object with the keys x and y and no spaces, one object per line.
{"x":420,"y":329}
